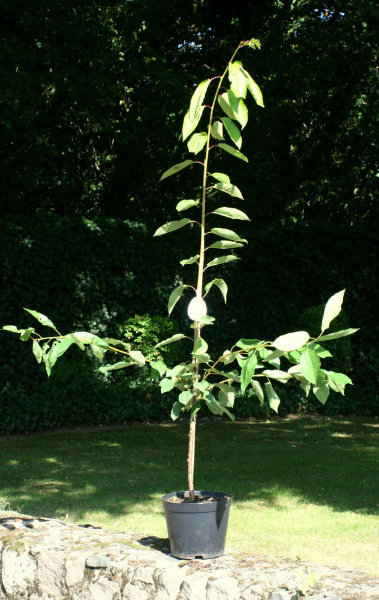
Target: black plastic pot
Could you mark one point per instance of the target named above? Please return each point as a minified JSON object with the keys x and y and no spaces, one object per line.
{"x":197,"y":529}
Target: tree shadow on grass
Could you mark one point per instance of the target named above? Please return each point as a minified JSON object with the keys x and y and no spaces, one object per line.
{"x":115,"y":471}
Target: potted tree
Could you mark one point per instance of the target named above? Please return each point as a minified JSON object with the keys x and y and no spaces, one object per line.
{"x":197,"y":519}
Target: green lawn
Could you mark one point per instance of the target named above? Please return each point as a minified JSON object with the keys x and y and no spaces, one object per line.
{"x":303,"y":487}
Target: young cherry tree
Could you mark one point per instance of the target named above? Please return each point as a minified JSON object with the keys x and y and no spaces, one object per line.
{"x":202,"y":381}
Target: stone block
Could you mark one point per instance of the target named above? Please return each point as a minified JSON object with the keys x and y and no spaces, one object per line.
{"x":50,"y":573}
{"x":74,"y":566}
{"x":19,"y":573}
{"x":194,"y":587}
{"x":223,"y":588}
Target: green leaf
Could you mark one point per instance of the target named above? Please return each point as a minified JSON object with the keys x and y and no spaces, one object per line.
{"x":231,"y":213}
{"x":247,"y":371}
{"x":224,"y":102}
{"x":138,"y":357}
{"x":58,"y":348}
{"x":337,"y":334}
{"x":176,"y":168}
{"x":221,"y":260}
{"x":245,"y":343}
{"x":320,"y":351}
{"x":237,"y":79}
{"x":228,"y":234}
{"x":310,"y":366}
{"x":202,"y":386}
{"x":228,"y":188}
{"x":190,"y":261}
{"x":174,"y":297}
{"x":171,"y":226}
{"x":273,"y":356}
{"x":116,"y":366}
{"x":197,"y":142}
{"x":176,"y":410}
{"x":226,"y":398}
{"x":159,"y":367}
{"x":233,"y":131}
{"x":206,"y":320}
{"x":228,"y":357}
{"x":239,"y":108}
{"x":221,"y":177}
{"x":217,"y":130}
{"x":337,"y":381}
{"x":233,"y":151}
{"x":26,"y":333}
{"x":198,"y":97}
{"x":225,"y":245}
{"x":97,"y":351}
{"x":257,"y":389}
{"x":12,"y":328}
{"x":212,"y":404}
{"x":332,"y":309}
{"x":170,"y":340}
{"x":166,"y":385}
{"x":176,"y":371}
{"x":185,"y":397}
{"x":278,"y":375}
{"x":220,"y":283}
{"x":100,"y":342}
{"x":41,"y":318}
{"x":272,"y":397}
{"x":191,"y":122}
{"x":321,"y":392}
{"x":253,"y":88}
{"x":200,"y":346}
{"x":186,"y":204}
{"x":37,"y":351}
{"x":291,"y":341}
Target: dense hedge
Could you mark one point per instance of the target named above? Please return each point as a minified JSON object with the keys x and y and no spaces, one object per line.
{"x":98,"y":274}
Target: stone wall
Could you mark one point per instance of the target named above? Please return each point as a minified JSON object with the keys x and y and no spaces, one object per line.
{"x":46,"y":559}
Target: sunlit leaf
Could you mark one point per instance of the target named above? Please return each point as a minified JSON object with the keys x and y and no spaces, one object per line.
{"x":310,"y":366}
{"x":321,"y":392}
{"x":217,"y":130}
{"x":138,"y":357}
{"x":171,"y":226}
{"x":272,"y":397}
{"x":332,"y":309}
{"x":176,"y":168}
{"x":337,"y":334}
{"x":257,"y":389}
{"x":175,"y":411}
{"x":231,"y":213}
{"x":41,"y":318}
{"x":233,"y":151}
{"x":247,"y":371}
{"x":228,"y":234}
{"x":175,"y":296}
{"x":222,"y":260}
{"x":220,"y":283}
{"x":225,"y":245}
{"x":253,"y":88}
{"x":237,"y":79}
{"x":170,"y":340}
{"x":197,"y":142}
{"x":191,"y":122}
{"x":37,"y":351}
{"x":278,"y":375}
{"x":116,"y":366}
{"x":159,"y":367}
{"x":58,"y":348}
{"x":198,"y":97}
{"x":186,"y":204}
{"x":224,"y":102}
{"x":228,"y":188}
{"x":166,"y":385}
{"x":189,"y":261}
{"x":239,"y":108}
{"x":221,"y":177}
{"x":233,"y":131}
{"x":291,"y":341}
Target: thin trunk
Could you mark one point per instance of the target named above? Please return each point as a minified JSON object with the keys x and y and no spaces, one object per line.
{"x":199,"y":293}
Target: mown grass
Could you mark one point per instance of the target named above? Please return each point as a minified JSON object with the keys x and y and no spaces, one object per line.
{"x":302,"y":488}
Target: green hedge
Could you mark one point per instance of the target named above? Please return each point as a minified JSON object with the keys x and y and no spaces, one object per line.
{"x":98,"y":274}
